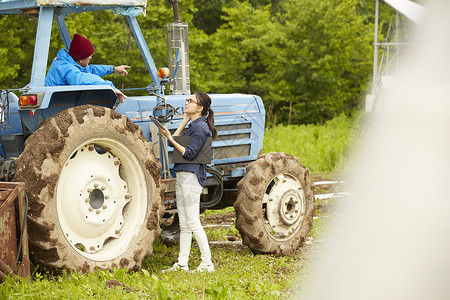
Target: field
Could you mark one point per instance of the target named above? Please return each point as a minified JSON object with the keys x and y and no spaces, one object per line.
{"x":239,"y":273}
{"x":322,"y":148}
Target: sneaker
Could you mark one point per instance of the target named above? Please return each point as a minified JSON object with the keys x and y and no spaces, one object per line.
{"x":205,"y":268}
{"x":176,"y":267}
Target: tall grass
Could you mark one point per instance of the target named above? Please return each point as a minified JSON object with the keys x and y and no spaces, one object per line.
{"x":321,"y":148}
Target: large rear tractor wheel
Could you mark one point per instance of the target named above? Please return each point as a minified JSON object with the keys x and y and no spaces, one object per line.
{"x":275,"y":204}
{"x":94,"y":190}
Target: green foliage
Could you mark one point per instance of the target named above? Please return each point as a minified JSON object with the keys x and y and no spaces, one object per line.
{"x":16,"y":55}
{"x":208,"y":15}
{"x":325,"y":54}
{"x":309,"y":60}
{"x":240,"y":49}
{"x":322,"y":148}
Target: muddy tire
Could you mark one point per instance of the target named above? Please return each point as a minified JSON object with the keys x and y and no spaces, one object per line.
{"x":94,"y":191}
{"x":275,"y":204}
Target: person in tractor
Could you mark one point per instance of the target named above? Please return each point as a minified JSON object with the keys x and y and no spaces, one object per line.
{"x":72,"y":67}
{"x":190,"y":178}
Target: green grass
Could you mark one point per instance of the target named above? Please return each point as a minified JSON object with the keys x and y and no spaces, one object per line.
{"x":239,"y":275}
{"x":321,"y":148}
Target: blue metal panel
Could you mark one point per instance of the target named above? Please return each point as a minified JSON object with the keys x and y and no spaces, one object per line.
{"x":229,"y":109}
{"x":59,"y":98}
{"x":12,"y":123}
{"x":44,"y":30}
{"x":50,"y":90}
{"x":238,"y":172}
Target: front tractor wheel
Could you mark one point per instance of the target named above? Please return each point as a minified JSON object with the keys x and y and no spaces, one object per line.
{"x":94,"y":189}
{"x":275,"y":204}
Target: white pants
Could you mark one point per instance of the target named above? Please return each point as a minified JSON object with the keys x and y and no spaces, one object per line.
{"x":188,"y":192}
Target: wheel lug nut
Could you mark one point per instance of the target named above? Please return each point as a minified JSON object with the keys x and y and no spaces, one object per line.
{"x":291,"y":198}
{"x":106,"y":197}
{"x":92,"y":248}
{"x":296,"y":210}
{"x":96,"y":185}
{"x":97,"y":211}
{"x":117,"y":232}
{"x":89,"y":190}
{"x":86,"y":200}
{"x":270,"y":199}
{"x":116,"y":162}
{"x":104,"y":207}
{"x":103,"y":188}
{"x":91,"y":209}
{"x":91,"y":148}
{"x":127,"y":196}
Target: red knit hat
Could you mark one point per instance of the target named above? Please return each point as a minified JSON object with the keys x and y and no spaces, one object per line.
{"x":80,"y":47}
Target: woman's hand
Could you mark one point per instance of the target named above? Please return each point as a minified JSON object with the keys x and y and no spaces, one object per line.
{"x":186,"y":118}
{"x":165,"y":132}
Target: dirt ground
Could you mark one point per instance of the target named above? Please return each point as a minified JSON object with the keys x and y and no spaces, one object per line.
{"x":220,"y":219}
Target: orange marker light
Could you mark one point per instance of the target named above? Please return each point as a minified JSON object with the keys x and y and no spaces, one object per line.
{"x":163,"y":73}
{"x":24,"y":100}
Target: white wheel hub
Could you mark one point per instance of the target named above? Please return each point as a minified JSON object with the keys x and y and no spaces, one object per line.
{"x":95,"y":208}
{"x":284,"y":203}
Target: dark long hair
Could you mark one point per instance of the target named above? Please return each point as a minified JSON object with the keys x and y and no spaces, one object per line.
{"x":205,"y":101}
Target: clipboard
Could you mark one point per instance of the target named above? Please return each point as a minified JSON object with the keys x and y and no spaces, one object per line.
{"x":203,"y":157}
{"x":156,"y":122}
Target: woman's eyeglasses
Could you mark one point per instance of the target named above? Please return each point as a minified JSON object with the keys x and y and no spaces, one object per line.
{"x":190,"y":101}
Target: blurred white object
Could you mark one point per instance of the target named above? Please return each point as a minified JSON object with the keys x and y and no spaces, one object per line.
{"x":409,"y":9}
{"x":394,"y":241}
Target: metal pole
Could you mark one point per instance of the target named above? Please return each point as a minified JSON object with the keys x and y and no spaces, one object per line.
{"x":397,"y":38}
{"x":63,"y":30}
{"x":40,"y":57}
{"x":176,"y":12}
{"x":375,"y":48}
{"x":142,"y":45}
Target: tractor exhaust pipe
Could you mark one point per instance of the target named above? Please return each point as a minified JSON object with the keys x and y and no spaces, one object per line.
{"x":176,"y":12}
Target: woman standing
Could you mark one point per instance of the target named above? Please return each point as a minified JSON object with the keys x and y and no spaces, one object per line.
{"x":190,"y":179}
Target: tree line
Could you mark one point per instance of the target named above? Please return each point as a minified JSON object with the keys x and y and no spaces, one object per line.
{"x":309,"y":60}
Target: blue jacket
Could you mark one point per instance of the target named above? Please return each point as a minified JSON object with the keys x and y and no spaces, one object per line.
{"x":65,"y":71}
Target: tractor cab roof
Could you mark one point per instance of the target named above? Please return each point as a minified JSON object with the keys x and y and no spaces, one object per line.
{"x":26,"y":7}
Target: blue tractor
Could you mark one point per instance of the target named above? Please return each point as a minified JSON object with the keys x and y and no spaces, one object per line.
{"x":98,"y":173}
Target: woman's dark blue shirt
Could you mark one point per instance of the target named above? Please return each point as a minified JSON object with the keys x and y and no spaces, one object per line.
{"x":199,"y":131}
